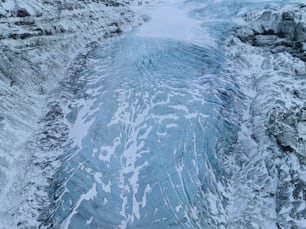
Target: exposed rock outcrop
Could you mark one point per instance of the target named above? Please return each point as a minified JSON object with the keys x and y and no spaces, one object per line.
{"x":279,"y":36}
{"x":283,"y":31}
{"x":279,"y":30}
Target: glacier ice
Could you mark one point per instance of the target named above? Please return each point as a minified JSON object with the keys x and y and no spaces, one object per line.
{"x":154,"y":128}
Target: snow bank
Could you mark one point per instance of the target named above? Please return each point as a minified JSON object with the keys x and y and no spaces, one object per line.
{"x":38,"y":41}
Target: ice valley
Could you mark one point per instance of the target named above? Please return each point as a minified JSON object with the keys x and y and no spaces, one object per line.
{"x":196,"y":119}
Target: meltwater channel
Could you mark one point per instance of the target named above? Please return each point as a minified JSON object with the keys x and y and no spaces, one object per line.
{"x":154,"y":116}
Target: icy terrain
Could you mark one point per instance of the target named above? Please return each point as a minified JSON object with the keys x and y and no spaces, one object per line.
{"x":271,"y":53}
{"x":196,"y":119}
{"x":38,"y":41}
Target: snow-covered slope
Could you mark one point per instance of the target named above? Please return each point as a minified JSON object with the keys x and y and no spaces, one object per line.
{"x":38,"y":41}
{"x":269,"y":177}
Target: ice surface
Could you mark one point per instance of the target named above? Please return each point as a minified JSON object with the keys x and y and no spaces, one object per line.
{"x":170,"y":21}
{"x":144,"y":143}
{"x":157,"y":131}
{"x":195,"y":120}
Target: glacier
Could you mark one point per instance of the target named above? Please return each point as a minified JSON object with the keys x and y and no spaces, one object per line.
{"x":156,"y":114}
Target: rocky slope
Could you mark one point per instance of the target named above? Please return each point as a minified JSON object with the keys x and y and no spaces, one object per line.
{"x":272,"y":46}
{"x":38,"y":41}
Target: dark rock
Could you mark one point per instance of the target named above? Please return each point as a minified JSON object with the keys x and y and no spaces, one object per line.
{"x":303,"y":114}
{"x":288,"y":16}
{"x":13,"y":36}
{"x":22,"y":36}
{"x":25,"y":35}
{"x":260,"y":40}
{"x":117,"y":31}
{"x":112,"y":3}
{"x":282,"y":126}
{"x":301,"y":6}
{"x":22,"y":13}
{"x":286,"y":148}
{"x":48,"y":32}
{"x":300,"y":32}
{"x":25,"y":22}
{"x":277,"y":32}
{"x":288,"y":28}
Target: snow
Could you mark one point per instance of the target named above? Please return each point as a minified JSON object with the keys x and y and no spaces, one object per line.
{"x":265,"y":172}
{"x":9,"y":5}
{"x":302,"y":129}
{"x":175,"y":25}
{"x":90,"y":195}
{"x":259,"y":166}
{"x":30,"y":69}
{"x":80,"y":128}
